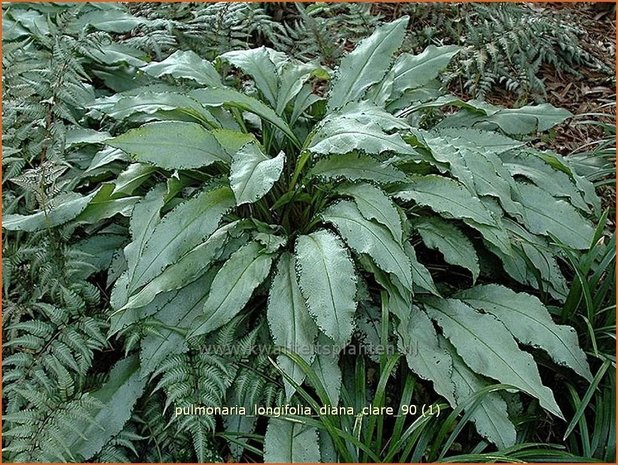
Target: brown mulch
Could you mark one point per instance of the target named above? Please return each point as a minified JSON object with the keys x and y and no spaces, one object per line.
{"x":593,"y":92}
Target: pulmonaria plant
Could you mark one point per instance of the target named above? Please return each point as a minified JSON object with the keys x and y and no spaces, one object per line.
{"x":267,"y":197}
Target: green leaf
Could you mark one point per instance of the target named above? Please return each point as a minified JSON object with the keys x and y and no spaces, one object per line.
{"x":367,"y":112}
{"x":122,"y":319}
{"x":326,"y":368}
{"x":412,"y":71}
{"x":290,"y":442}
{"x":418,"y":341}
{"x":293,"y":76}
{"x":530,"y":118}
{"x":232,"y":288}
{"x":179,"y":231}
{"x":152,"y":103}
{"x":172,"y":145}
{"x":101,"y":248}
{"x":117,"y":21}
{"x":178,"y":313}
{"x":399,"y":298}
{"x":328,"y":282}
{"x":186,"y":270}
{"x":489,"y":349}
{"x":529,"y":321}
{"x":185,"y":65}
{"x":533,"y":256}
{"x":257,"y":63}
{"x":342,"y":135}
{"x":103,"y":159}
{"x":472,"y":138}
{"x":105,"y":204}
{"x":65,"y":208}
{"x":421,"y":277}
{"x":353,"y":167}
{"x":303,"y":102}
{"x":290,"y":323}
{"x":490,"y":417}
{"x":253,"y":173}
{"x":367,"y":237}
{"x":375,"y":205}
{"x":116,"y":53}
{"x":232,"y":141}
{"x":367,"y":64}
{"x":445,"y":237}
{"x":495,"y":235}
{"x":133,"y":177}
{"x":525,"y":120}
{"x":482,"y":172}
{"x":146,"y":216}
{"x":557,"y":183}
{"x":234,"y":99}
{"x":117,"y":397}
{"x":446,"y":196}
{"x":547,"y":215}
{"x":82,"y":136}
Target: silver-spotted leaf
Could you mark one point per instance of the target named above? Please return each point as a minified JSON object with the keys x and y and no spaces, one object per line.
{"x":172,"y":145}
{"x":489,"y":349}
{"x":328,"y":283}
{"x":290,"y":442}
{"x":367,"y":64}
{"x":232,"y":287}
{"x":253,"y":173}
{"x":367,"y":237}
{"x":529,"y":321}
{"x":290,"y":323}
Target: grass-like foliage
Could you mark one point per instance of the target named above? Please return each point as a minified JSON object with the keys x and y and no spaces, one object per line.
{"x":166,"y":216}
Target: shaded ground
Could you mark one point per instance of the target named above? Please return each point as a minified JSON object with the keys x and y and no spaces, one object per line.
{"x":595,"y":91}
